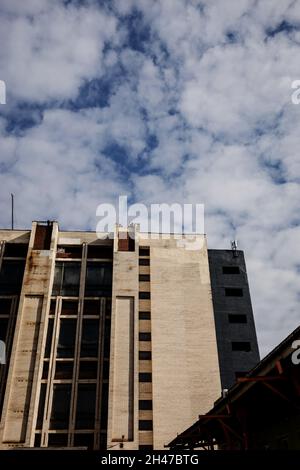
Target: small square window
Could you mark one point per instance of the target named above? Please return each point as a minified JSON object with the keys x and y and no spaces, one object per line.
{"x":241,"y":346}
{"x":145,"y":425}
{"x":145,"y":336}
{"x":144,"y":315}
{"x":233,"y":292}
{"x":144,"y":277}
{"x":144,"y":262}
{"x":237,"y":318}
{"x":144,"y":355}
{"x":144,"y":295}
{"x":145,"y":377}
{"x":145,"y":404}
{"x":231,"y":270}
{"x":144,"y":251}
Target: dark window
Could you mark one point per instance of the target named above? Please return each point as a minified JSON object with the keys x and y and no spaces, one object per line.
{"x":45,"y":370}
{"x":144,"y":251}
{"x":145,"y":377}
{"x":49,"y":337}
{"x":66,"y":340}
{"x":66,"y":279}
{"x":37,"y":440}
{"x":91,"y":307}
{"x":40,"y":417}
{"x":145,"y":447}
{"x":144,"y":355}
{"x":98,"y":279}
{"x":144,"y":277}
{"x":231,"y":270}
{"x":145,"y":336}
{"x":104,"y":406}
{"x":100,"y":252}
{"x":86,"y":402}
{"x":144,"y":295}
{"x":233,"y":292}
{"x":15,"y":250}
{"x":11,"y":276}
{"x":69,"y":252}
{"x":144,"y":315}
{"x":64,"y":370}
{"x":144,"y":262}
{"x":84,"y":440}
{"x":145,"y":425}
{"x":69,"y":307}
{"x":58,"y":440}
{"x":107,"y":338}
{"x":145,"y":404}
{"x":88,"y":370}
{"x":90,"y":338}
{"x":241,"y":346}
{"x":237,"y":318}
{"x":105,"y":370}
{"x":60,"y":412}
{"x":3,"y":328}
{"x":5,"y":306}
{"x":52,"y":307}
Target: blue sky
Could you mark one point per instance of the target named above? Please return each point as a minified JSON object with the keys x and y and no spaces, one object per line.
{"x":166,"y":101}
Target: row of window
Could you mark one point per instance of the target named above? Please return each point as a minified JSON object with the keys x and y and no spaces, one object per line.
{"x":98,"y":280}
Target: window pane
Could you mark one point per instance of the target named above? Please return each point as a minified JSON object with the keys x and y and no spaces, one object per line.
{"x":145,"y":336}
{"x":60,"y":406}
{"x":11,"y":277}
{"x":40,"y":416}
{"x":69,"y":307}
{"x":90,"y":338}
{"x":49,"y":337}
{"x":64,"y":370}
{"x":66,"y":340}
{"x":3,"y":328}
{"x":237,"y":318}
{"x":241,"y":346}
{"x":84,"y":440}
{"x":98,"y":279}
{"x":231,"y":270}
{"x":58,"y":440}
{"x":145,"y":404}
{"x":5,"y":305}
{"x":145,"y":425}
{"x":71,"y":279}
{"x":145,"y":355}
{"x":57,"y":279}
{"x":91,"y":307}
{"x":233,"y":292}
{"x":86,"y":400}
{"x":145,"y":377}
{"x":88,"y":369}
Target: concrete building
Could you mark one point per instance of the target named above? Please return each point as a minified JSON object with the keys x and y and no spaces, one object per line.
{"x":116,"y":342}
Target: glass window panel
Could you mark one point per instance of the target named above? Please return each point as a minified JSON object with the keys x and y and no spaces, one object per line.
{"x":98,"y":279}
{"x":11,"y":277}
{"x":85,"y":412}
{"x":60,"y":412}
{"x":45,"y":370}
{"x":66,"y":340}
{"x":104,"y":406}
{"x":69,"y":307}
{"x":88,"y":369}
{"x":49,"y":337}
{"x":64,"y":370}
{"x":5,"y":305}
{"x":71,"y":279}
{"x":91,"y":307}
{"x":40,"y":416}
{"x":57,"y":279}
{"x":84,"y":440}
{"x":90,"y":338}
{"x":3,"y":328}
{"x":58,"y":440}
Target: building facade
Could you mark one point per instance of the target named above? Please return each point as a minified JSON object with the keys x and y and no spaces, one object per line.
{"x":106,"y":337}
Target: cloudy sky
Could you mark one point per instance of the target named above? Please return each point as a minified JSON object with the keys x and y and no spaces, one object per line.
{"x":166,"y":101}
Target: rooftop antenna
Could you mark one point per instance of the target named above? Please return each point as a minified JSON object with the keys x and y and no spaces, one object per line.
{"x":234,"y":246}
{"x":12,"y":211}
